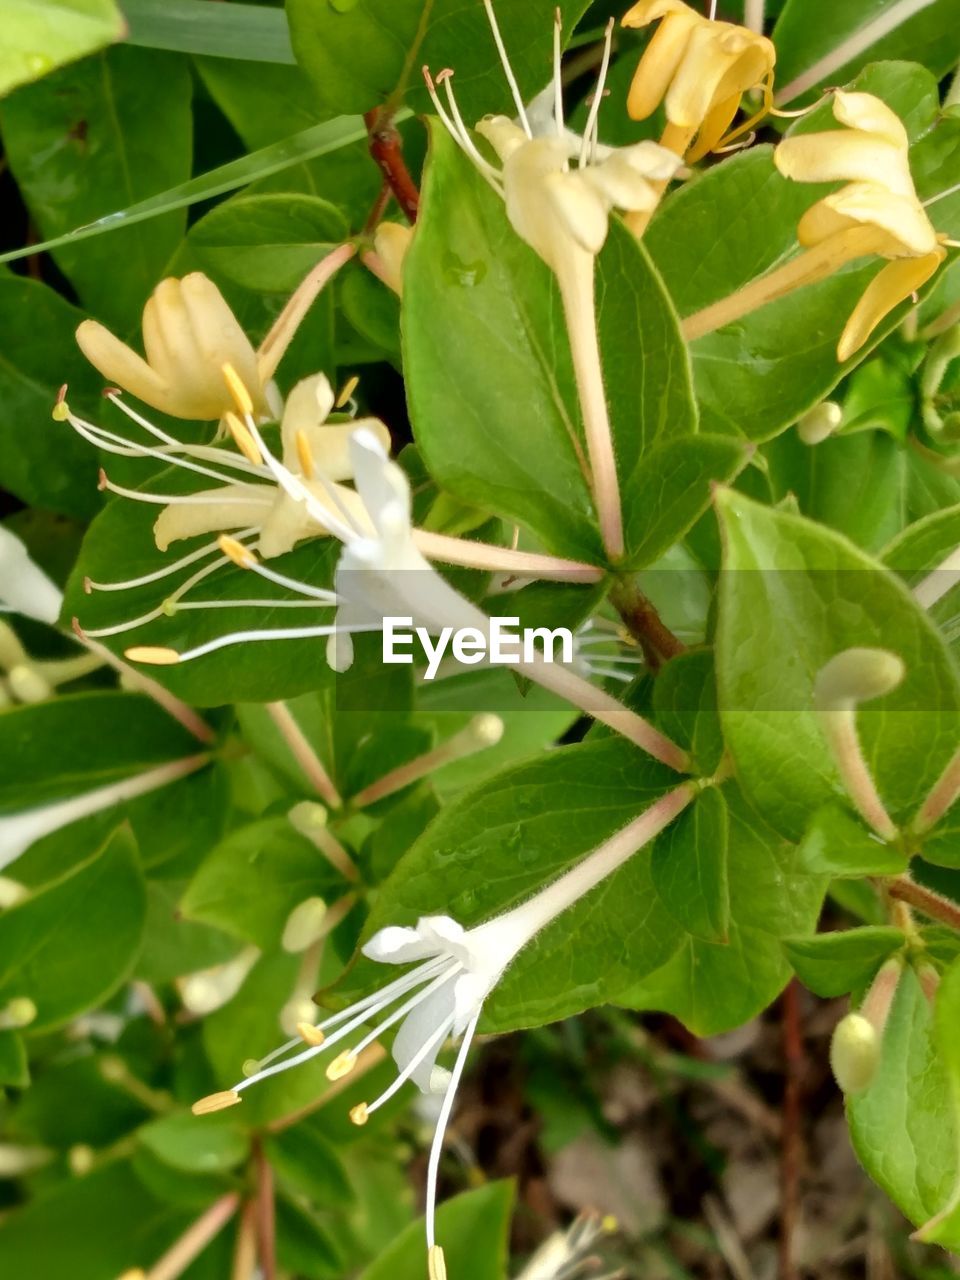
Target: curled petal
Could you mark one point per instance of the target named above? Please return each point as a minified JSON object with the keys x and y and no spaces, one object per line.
{"x":867,"y":112}
{"x":423,"y":1021}
{"x":646,"y":11}
{"x":581,"y":206}
{"x":844,"y":156}
{"x":396,"y":945}
{"x":119,"y":364}
{"x":504,"y":136}
{"x":24,"y":587}
{"x":217,"y":334}
{"x":888,"y":289}
{"x":230,"y":506}
{"x":660,"y":60}
{"x":901,"y":220}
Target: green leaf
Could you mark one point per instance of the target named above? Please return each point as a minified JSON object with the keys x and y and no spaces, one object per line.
{"x":713,"y":987}
{"x":810,"y":30}
{"x":759,"y":374}
{"x":267,"y":243}
{"x":472,"y":1230}
{"x":310,"y":1164}
{"x":39,"y":35}
{"x":792,"y":596}
{"x":941,"y":846}
{"x":834,"y":964}
{"x":491,"y":848}
{"x":689,"y":866}
{"x":252,"y":880}
{"x":95,"y":914}
{"x":51,"y":750}
{"x":944,"y":1228}
{"x":225,"y":31}
{"x":318,"y":140}
{"x":924,"y":545}
{"x":85,"y":142}
{"x":40,"y":464}
{"x":304,"y":1246}
{"x":477,"y":299}
{"x":209,"y":1148}
{"x":837,"y":844}
{"x":357,"y":52}
{"x":904,"y":1127}
{"x":685,"y":705}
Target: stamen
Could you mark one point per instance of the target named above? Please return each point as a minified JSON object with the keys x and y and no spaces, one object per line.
{"x":243,"y":637}
{"x":942,"y":195}
{"x":436,"y":1147}
{"x":310,"y":1034}
{"x":153,"y":655}
{"x":507,"y":69}
{"x":209,"y":452}
{"x":243,"y":439}
{"x":111,"y":442}
{"x":713,"y":10}
{"x":216,"y":1102}
{"x":436,"y":1263}
{"x":349,"y":387}
{"x":237,"y":389}
{"x":359,"y":1114}
{"x":557,"y":73}
{"x":461,"y":134}
{"x":304,"y":454}
{"x":342,"y":1065}
{"x":402,"y":1011}
{"x":245,"y":559}
{"x":177,"y":499}
{"x":428,"y":1046}
{"x":589,"y":133}
{"x":90,"y":585}
{"x":241,"y":556}
{"x":162,"y":609}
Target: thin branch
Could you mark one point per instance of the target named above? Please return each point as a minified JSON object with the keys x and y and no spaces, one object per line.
{"x":791,"y":1141}
{"x":304,"y":754}
{"x":386,"y":150}
{"x":195,"y":1239}
{"x":266,"y":1217}
{"x":644,"y":623}
{"x":932,"y":904}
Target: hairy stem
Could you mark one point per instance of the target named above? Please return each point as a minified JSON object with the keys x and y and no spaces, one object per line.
{"x":931,"y":904}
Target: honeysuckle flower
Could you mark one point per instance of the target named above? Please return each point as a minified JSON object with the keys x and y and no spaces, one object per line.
{"x":561,"y":209}
{"x":568,"y":1255}
{"x":391,"y":240}
{"x":699,"y":69}
{"x":18,"y":831}
{"x":24,"y":587}
{"x":382,"y":573}
{"x":877,"y":213}
{"x":443,"y":996}
{"x":189,"y":334}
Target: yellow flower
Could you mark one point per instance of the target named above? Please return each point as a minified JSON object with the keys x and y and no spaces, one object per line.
{"x":699,"y":69}
{"x":189,"y":334}
{"x":877,"y":212}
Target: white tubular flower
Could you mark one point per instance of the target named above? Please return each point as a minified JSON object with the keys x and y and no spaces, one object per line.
{"x":561,"y":210}
{"x":443,"y":996}
{"x":18,"y":831}
{"x":24,"y":587}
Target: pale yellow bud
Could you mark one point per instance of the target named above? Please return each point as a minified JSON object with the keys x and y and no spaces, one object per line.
{"x":854,"y":1053}
{"x":305,"y":925}
{"x":857,"y":675}
{"x":391,"y":241}
{"x":820,"y":422}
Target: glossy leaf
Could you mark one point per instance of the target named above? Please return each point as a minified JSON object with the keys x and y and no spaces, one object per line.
{"x":689,"y":866}
{"x":40,"y":35}
{"x":836,"y":844}
{"x":834,"y":964}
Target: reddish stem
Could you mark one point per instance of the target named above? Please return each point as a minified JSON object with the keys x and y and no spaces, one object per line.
{"x":791,"y":1142}
{"x":266,"y":1217}
{"x":385,"y":148}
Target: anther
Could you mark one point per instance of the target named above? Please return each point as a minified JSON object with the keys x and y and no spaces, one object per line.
{"x":341,"y":1066}
{"x":88,"y":585}
{"x":349,"y":387}
{"x":436,"y":1263}
{"x":359,"y":1114}
{"x":101,"y":480}
{"x":243,"y":439}
{"x":304,"y":454}
{"x":216,"y":1102}
{"x":310,"y":1034}
{"x":153,"y":655}
{"x":250,"y":1067}
{"x":241,"y":556}
{"x":19,"y":1012}
{"x":236,"y":387}
{"x":60,"y":411}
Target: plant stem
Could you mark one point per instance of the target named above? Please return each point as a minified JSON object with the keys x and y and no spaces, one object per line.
{"x":195,"y":1239}
{"x":932,"y":904}
{"x":942,"y":797}
{"x":791,"y":1140}
{"x":266,"y":1216}
{"x":644,"y":623}
{"x":385,"y":148}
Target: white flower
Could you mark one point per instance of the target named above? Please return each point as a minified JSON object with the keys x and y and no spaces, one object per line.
{"x":18,"y":831}
{"x":561,"y":210}
{"x":24,"y":587}
{"x":443,"y":996}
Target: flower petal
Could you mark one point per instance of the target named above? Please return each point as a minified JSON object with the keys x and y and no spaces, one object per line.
{"x":230,"y":506}
{"x":867,"y":112}
{"x":661,"y":59}
{"x":24,"y":587}
{"x":396,"y":945}
{"x":120,"y":364}
{"x":848,"y":155}
{"x":423,"y":1021}
{"x":887,"y":290}
{"x":217,"y":334}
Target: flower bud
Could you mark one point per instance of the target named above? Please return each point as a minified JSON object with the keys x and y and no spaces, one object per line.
{"x":854,"y":1053}
{"x":391,"y":241}
{"x":305,"y":925}
{"x":27,"y":684}
{"x":819,"y":422}
{"x":856,"y":675}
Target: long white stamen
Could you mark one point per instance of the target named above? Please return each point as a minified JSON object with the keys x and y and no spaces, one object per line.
{"x":173,"y":607}
{"x":403,"y":1076}
{"x":111,"y":442}
{"x":507,"y":69}
{"x":403,"y":1010}
{"x":851,"y":48}
{"x":179,"y":499}
{"x":462,"y":133}
{"x":754,"y":14}
{"x":557,"y":74}
{"x":590,"y":132}
{"x":942,"y":195}
{"x":713,"y":10}
{"x":609,"y":673}
{"x":293,"y":584}
{"x":357,"y":1014}
{"x":254,"y":637}
{"x":439,"y":1133}
{"x":209,"y":452}
{"x":158,"y":574}
{"x":161,"y":609}
{"x":459,"y":133}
